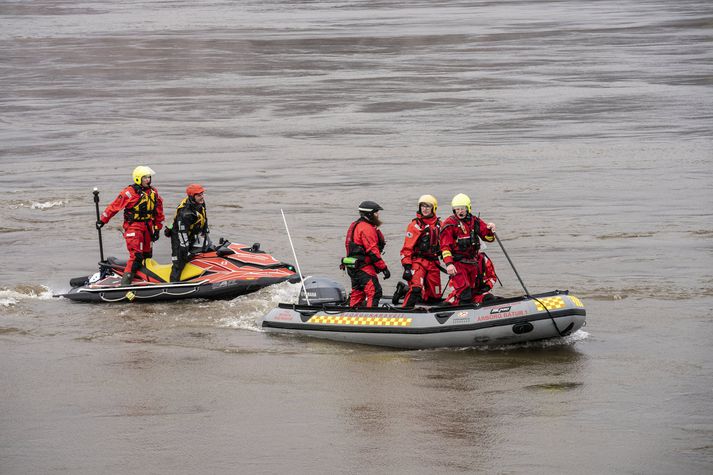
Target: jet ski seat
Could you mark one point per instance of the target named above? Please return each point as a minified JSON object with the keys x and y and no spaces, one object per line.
{"x":163,"y":271}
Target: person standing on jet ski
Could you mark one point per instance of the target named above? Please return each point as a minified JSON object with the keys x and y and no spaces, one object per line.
{"x":460,"y":247}
{"x":143,"y":219}
{"x":364,"y":244}
{"x":420,"y":253}
{"x":189,"y":223}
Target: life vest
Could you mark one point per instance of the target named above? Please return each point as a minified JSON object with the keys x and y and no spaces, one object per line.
{"x":201,"y":217}
{"x":358,"y":251}
{"x":145,"y":208}
{"x":467,"y":243}
{"x":427,"y":245}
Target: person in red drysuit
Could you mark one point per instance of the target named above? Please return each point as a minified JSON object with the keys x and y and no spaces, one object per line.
{"x":420,"y":253}
{"x":364,"y":244}
{"x":143,"y":219}
{"x":460,"y":245}
{"x":486,"y":279}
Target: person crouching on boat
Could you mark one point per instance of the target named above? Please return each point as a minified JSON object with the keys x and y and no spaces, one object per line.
{"x":460,"y":248}
{"x":189,"y":224}
{"x":486,"y":279}
{"x":364,"y":244}
{"x":420,"y":253}
{"x":143,"y":219}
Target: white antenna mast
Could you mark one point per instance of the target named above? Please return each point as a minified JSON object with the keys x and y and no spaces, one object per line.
{"x":295,"y":254}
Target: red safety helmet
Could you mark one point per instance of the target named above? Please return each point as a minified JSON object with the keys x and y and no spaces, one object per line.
{"x":194,"y":189}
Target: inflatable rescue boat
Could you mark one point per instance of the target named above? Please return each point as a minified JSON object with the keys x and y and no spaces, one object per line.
{"x":501,"y":321}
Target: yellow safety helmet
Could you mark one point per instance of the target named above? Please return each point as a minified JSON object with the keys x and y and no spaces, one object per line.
{"x":140,"y":172}
{"x":430,"y":199}
{"x":461,"y":200}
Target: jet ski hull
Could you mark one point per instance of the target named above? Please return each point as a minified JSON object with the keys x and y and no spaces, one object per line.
{"x":228,"y":272}
{"x":225,"y":290}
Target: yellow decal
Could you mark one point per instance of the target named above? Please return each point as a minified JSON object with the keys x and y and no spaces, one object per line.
{"x":550,"y":303}
{"x":362,"y":321}
{"x":576,"y":301}
{"x":130,"y":296}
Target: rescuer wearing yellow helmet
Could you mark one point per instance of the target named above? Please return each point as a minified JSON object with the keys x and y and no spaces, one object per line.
{"x":420,"y":253}
{"x":143,"y":219}
{"x":471,"y":272}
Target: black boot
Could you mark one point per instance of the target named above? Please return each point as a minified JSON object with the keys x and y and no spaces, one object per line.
{"x":127,"y":278}
{"x":401,"y":289}
{"x":414,"y":298}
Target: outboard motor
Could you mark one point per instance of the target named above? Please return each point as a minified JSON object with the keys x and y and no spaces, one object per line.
{"x":322,"y":290}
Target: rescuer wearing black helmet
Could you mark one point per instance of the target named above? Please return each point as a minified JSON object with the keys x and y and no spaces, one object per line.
{"x":364,"y":244}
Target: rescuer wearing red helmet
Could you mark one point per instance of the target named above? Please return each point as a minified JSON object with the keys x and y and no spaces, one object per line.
{"x":420,"y":253}
{"x":460,"y":247}
{"x":189,"y":224}
{"x":364,"y":244}
{"x":143,"y":219}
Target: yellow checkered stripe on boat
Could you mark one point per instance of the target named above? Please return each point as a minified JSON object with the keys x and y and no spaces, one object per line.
{"x":362,"y":321}
{"x":576,"y":301}
{"x":549,"y":303}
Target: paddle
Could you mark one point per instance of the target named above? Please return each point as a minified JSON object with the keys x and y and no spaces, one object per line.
{"x":527,"y":293}
{"x":99,"y":230}
{"x":564,"y":332}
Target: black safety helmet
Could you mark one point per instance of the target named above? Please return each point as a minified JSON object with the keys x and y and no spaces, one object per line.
{"x":368,"y":208}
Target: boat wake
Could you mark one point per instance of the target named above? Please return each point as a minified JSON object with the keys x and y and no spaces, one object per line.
{"x":40,"y":205}
{"x":247,"y":310}
{"x":568,"y":340}
{"x":10,"y":297}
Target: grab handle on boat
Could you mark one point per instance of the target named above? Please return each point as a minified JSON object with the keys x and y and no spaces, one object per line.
{"x":443,"y":317}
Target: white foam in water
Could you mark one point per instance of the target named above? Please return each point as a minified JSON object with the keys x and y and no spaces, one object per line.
{"x":10,"y":297}
{"x":251,"y":308}
{"x":579,"y":335}
{"x":47,"y":204}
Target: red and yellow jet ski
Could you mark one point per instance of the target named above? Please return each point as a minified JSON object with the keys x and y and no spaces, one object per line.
{"x":224,"y":272}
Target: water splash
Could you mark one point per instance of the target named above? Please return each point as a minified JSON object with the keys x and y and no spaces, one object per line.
{"x":249,"y":309}
{"x":47,"y":204}
{"x":568,"y":340}
{"x":10,"y":297}
{"x":40,"y":205}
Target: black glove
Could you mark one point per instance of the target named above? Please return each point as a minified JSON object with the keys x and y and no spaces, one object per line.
{"x":387,"y":273}
{"x":99,"y":224}
{"x":167,"y":231}
{"x":408,"y":274}
{"x":156,"y":235}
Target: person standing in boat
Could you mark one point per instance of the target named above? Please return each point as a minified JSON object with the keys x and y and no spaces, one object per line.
{"x":364,"y":244}
{"x":143,"y":219}
{"x":420,"y":254}
{"x":460,"y":247}
{"x":189,"y":224}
